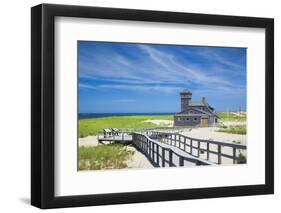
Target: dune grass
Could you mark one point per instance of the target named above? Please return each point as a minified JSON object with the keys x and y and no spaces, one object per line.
{"x":241,"y":130}
{"x":229,"y":116}
{"x":110,"y":156}
{"x":241,"y":158}
{"x":94,"y":126}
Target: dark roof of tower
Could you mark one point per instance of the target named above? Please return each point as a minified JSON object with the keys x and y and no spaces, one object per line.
{"x":185,"y":91}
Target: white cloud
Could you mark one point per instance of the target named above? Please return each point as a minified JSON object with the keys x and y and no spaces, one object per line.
{"x":158,"y":71}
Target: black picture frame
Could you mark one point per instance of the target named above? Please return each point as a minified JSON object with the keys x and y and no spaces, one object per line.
{"x":43,"y":111}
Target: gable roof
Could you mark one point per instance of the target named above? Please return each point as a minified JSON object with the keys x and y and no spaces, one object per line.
{"x":201,"y":111}
{"x":200,"y":103}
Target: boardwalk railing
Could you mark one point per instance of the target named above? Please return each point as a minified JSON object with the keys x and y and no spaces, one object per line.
{"x":174,"y":149}
{"x":162,"y":155}
{"x":199,"y":147}
{"x":121,"y":136}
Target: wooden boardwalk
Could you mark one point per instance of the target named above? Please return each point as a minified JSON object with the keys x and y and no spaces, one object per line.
{"x":173,"y":149}
{"x":121,"y":138}
{"x":165,"y":155}
{"x":212,"y":151}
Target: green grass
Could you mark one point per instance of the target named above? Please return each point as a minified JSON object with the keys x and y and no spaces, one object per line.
{"x":228,"y":116}
{"x":241,"y":130}
{"x":110,"y":156}
{"x":241,"y":159}
{"x":94,"y":126}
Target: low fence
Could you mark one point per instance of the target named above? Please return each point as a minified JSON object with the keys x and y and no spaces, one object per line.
{"x":163,"y":155}
{"x":195,"y":146}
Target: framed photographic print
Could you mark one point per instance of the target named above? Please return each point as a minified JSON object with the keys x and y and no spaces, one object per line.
{"x":140,"y":106}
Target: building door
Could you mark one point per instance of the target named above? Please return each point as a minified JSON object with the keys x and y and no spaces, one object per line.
{"x":204,"y":122}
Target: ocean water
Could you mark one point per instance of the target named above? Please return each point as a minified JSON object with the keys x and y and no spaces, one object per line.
{"x":100,"y":115}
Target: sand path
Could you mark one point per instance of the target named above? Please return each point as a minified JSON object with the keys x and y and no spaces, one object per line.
{"x":211,"y":133}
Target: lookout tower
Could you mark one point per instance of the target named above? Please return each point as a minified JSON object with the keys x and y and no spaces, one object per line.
{"x":186,"y":96}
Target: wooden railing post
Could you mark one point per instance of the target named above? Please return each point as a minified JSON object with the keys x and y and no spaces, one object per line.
{"x":191,"y":146}
{"x":153,"y":153}
{"x":157,"y":154}
{"x":170,"y":158}
{"x":219,"y":153}
{"x":181,"y":159}
{"x":146,"y":146}
{"x":149,"y":148}
{"x":208,"y":149}
{"x":198,"y":149}
{"x":234,"y":155}
{"x":141,"y":143}
{"x":184,"y":143}
{"x":163,"y":157}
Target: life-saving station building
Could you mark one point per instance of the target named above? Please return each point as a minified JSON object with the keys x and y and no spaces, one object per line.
{"x":194,"y":113}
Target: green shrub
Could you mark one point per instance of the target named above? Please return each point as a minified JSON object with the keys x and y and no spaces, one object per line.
{"x":241,"y":130}
{"x":228,"y":116}
{"x":241,"y":158}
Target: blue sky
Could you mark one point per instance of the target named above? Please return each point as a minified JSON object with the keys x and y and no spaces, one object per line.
{"x":141,"y":78}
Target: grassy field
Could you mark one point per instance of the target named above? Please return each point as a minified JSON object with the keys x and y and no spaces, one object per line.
{"x":111,"y":156}
{"x":241,"y":130}
{"x":229,"y":116}
{"x":93,"y":126}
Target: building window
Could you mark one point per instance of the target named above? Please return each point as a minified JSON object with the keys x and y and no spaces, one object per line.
{"x":195,"y":119}
{"x":179,"y":119}
{"x":187,"y":119}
